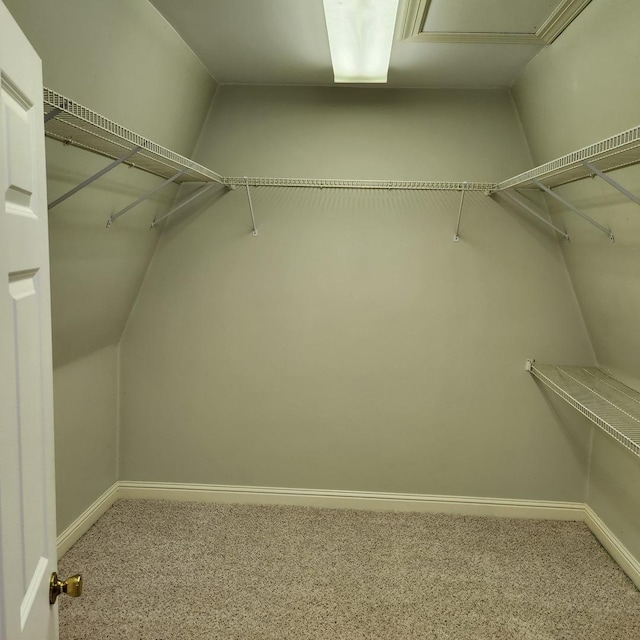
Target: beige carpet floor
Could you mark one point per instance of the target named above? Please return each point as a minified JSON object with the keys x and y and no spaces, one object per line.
{"x":172,"y":571}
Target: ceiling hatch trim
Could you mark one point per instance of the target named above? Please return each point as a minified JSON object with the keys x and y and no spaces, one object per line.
{"x":416,"y":15}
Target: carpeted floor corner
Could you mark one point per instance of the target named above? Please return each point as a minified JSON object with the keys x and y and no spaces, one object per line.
{"x":158,"y":570}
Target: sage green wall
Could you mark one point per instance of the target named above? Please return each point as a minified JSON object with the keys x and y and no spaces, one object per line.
{"x":86,"y":441}
{"x":353,"y":344}
{"x":121,"y":59}
{"x":580,"y":90}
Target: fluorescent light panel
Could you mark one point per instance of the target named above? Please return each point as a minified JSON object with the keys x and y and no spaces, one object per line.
{"x":360,"y":38}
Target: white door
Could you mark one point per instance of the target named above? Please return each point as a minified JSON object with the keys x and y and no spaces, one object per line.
{"x":27,"y":497}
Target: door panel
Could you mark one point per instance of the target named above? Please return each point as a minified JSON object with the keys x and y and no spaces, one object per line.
{"x":27,"y":507}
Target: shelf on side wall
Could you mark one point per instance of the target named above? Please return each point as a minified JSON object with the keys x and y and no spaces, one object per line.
{"x":607,"y":402}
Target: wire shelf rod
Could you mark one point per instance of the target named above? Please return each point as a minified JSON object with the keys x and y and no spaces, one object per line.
{"x":612,"y":182}
{"x":93,"y":178}
{"x":530,"y":208}
{"x":575,"y":209}
{"x":114,"y":216}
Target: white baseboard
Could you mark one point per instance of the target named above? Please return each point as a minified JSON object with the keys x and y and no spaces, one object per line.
{"x":86,"y":520}
{"x":496,"y":507}
{"x":228,"y":494}
{"x":625,"y":559}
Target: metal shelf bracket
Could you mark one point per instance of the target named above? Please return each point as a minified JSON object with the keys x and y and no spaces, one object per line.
{"x":52,"y":114}
{"x":611,"y":181}
{"x":114,"y":216}
{"x":456,"y":237}
{"x":575,"y":209}
{"x":93,"y":178}
{"x":253,"y":219}
{"x":184,"y":203}
{"x":529,"y":207}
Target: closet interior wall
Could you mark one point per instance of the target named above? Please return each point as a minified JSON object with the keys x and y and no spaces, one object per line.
{"x":120,"y":58}
{"x":352,"y":344}
{"x":582,"y":89}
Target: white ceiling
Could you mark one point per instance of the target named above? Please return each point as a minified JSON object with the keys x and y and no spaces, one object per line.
{"x":285,"y":42}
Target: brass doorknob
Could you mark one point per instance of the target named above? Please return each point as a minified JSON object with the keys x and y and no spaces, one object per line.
{"x":71,"y":586}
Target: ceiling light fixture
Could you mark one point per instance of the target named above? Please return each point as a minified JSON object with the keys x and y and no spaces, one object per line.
{"x":360,"y":38}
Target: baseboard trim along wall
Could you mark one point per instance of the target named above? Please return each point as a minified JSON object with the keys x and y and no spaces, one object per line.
{"x":497,"y":507}
{"x":86,"y":520}
{"x":227,"y":494}
{"x":625,"y":559}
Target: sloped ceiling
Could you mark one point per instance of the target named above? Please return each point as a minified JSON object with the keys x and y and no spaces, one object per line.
{"x":286,"y":42}
{"x":123,"y":60}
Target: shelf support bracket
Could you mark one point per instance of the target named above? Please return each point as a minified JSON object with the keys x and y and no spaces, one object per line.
{"x":575,"y":210}
{"x":456,"y":237}
{"x":52,"y":114}
{"x":530,"y":208}
{"x":114,"y":216}
{"x":93,"y":178}
{"x":611,"y":181}
{"x":253,"y":219}
{"x":184,"y":203}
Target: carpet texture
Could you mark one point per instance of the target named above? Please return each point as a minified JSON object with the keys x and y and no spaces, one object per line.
{"x":158,"y":570}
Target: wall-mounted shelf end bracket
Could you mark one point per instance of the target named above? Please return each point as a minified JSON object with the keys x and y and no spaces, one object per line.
{"x":528,"y":365}
{"x":456,"y":237}
{"x":253,"y":219}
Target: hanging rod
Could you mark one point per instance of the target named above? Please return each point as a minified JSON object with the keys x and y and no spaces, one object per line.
{"x":620,"y":150}
{"x":607,"y":402}
{"x":75,"y":125}
{"x":321,"y":183}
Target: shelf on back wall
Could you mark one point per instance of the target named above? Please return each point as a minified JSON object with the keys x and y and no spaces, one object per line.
{"x":607,"y":402}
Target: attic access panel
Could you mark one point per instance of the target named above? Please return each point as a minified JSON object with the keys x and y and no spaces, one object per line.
{"x":489,"y":21}
{"x":487,"y":16}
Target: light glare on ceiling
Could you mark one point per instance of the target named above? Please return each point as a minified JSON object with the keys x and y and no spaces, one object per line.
{"x":360,"y":38}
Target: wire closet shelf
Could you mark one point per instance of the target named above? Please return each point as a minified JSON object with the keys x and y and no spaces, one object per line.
{"x":75,"y":125}
{"x":607,"y":402}
{"x":335,"y":183}
{"x":615,"y":152}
